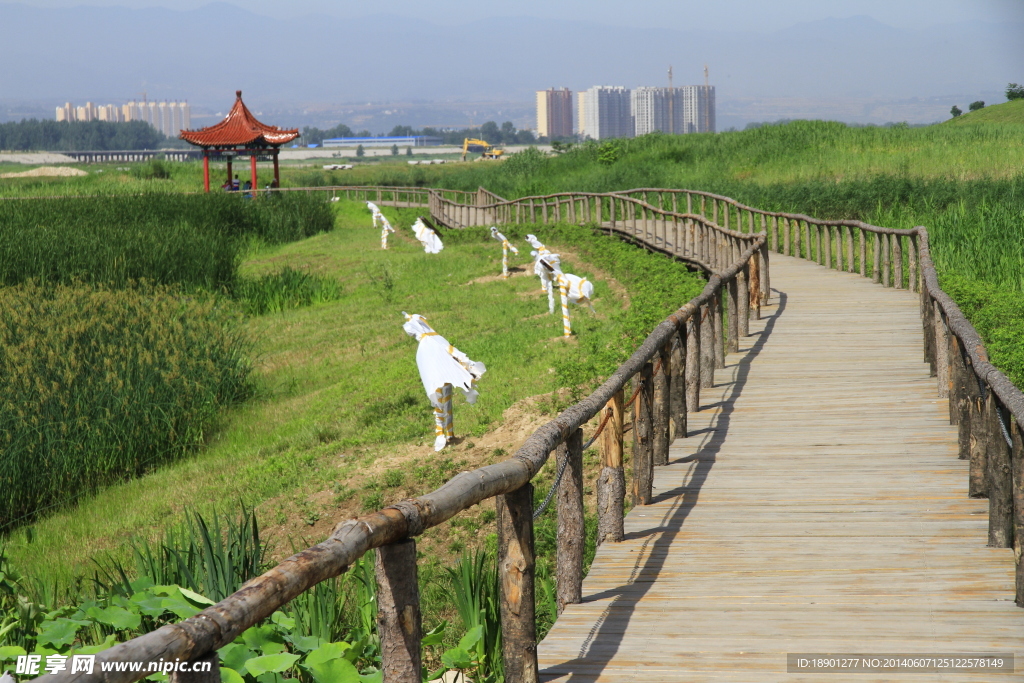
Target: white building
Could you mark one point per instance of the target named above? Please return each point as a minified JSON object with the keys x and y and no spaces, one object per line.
{"x":169,"y":118}
{"x":659,"y":109}
{"x":700,"y":107}
{"x":606,"y":112}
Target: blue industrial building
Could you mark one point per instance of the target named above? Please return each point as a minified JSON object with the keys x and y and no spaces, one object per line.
{"x":404,"y":141}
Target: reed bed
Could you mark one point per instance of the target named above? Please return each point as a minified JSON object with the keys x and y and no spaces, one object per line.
{"x":192,"y":240}
{"x":100,"y":385}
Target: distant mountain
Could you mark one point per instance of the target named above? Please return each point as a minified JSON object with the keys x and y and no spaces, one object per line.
{"x":204,"y":55}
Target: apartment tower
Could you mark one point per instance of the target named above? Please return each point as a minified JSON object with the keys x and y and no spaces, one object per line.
{"x":554,"y":113}
{"x":607,"y":113}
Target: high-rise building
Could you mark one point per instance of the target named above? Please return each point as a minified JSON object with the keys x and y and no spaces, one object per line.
{"x":607,"y":113}
{"x":700,"y":107}
{"x":581,"y":109}
{"x":659,"y":109}
{"x":167,"y":117}
{"x":554,"y":113}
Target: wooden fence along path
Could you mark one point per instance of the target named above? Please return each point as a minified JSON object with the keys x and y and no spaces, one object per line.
{"x":796,"y":481}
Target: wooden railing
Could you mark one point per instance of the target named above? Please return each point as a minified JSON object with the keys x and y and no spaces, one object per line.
{"x":667,"y":371}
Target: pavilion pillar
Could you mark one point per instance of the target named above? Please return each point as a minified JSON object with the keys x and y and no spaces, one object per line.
{"x":277,"y":168}
{"x":206,"y":171}
{"x":252,"y":164}
{"x":229,"y":169}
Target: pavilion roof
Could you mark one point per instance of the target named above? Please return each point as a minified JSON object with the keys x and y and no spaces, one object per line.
{"x":239,"y":127}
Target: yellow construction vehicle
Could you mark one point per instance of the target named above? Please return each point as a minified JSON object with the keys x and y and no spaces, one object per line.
{"x":488,"y":150}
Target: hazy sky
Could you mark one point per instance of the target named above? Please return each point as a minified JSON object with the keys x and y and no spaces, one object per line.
{"x":763,"y":15}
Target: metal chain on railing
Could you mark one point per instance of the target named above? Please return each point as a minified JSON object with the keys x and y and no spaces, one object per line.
{"x":565,"y":461}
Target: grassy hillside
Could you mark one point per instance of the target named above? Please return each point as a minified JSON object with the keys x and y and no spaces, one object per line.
{"x":1007,"y":113}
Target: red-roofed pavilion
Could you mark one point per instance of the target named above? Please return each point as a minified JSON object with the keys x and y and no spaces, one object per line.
{"x":240,"y":134}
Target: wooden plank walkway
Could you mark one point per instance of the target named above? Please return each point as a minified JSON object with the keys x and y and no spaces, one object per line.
{"x":819,"y":506}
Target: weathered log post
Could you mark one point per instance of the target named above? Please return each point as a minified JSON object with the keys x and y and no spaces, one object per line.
{"x":1000,"y":483}
{"x":863,"y":252}
{"x":912,"y":276}
{"x":643,"y":471}
{"x":744,"y":285}
{"x":955,"y":381}
{"x":718,"y":309}
{"x":677,"y":383}
{"x":962,"y":395}
{"x":734,"y":339}
{"x":886,"y":262}
{"x":828,"y":245}
{"x":516,"y":566}
{"x":1017,"y":473}
{"x":765,"y":272}
{"x":806,"y":245}
{"x":941,"y":353}
{"x":707,"y":345}
{"x":928,"y":325}
{"x":754,"y":295}
{"x":694,"y":360}
{"x":849,"y":248}
{"x":897,"y":262}
{"x":662,"y":412}
{"x":211,"y":676}
{"x":977,"y":477}
{"x":569,"y":555}
{"x":611,"y":485}
{"x":876,"y":267}
{"x":787,"y":247}
{"x":398,"y":612}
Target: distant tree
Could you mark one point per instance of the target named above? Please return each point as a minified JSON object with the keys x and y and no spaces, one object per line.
{"x":315,"y":136}
{"x":82,"y":135}
{"x":408,"y":151}
{"x":975,"y":106}
{"x":401,"y":132}
{"x":955,"y":111}
{"x":364,"y":134}
{"x":1015,"y":92}
{"x":360,"y":151}
{"x":525,"y":137}
{"x":394,"y":150}
{"x":508,"y":132}
{"x":489,"y":132}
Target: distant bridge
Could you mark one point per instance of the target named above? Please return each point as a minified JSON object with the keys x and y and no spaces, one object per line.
{"x":106,"y":156}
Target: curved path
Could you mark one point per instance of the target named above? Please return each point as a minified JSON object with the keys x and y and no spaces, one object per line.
{"x":817,"y":507}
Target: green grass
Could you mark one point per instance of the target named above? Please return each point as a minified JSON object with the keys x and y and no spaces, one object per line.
{"x":338,"y":384}
{"x":195,"y":241}
{"x":1006,"y":113}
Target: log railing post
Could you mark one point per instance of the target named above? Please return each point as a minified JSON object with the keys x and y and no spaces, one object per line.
{"x":662,"y":410}
{"x":886,"y":261}
{"x":897,"y":262}
{"x":677,"y":382}
{"x":963,"y":379}
{"x":786,"y":243}
{"x":876,"y":256}
{"x":928,"y":330}
{"x":718,"y":306}
{"x":977,"y":478}
{"x":398,"y":612}
{"x":744,"y":285}
{"x":569,"y":560}
{"x":734,"y":337}
{"x":912,"y":265}
{"x":941,"y":353}
{"x":611,"y":485}
{"x":516,"y":566}
{"x":754,"y":300}
{"x":862,"y":239}
{"x":806,"y":246}
{"x":1000,"y":483}
{"x":643,"y":471}
{"x":849,"y":249}
{"x":1017,"y":474}
{"x":828,"y":246}
{"x":695,"y":355}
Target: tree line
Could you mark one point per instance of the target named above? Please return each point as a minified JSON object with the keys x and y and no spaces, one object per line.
{"x":490,"y":131}
{"x":76,"y":136}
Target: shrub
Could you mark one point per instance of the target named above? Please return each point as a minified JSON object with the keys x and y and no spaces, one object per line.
{"x":1014,"y":92}
{"x":975,"y":106}
{"x":102,"y":385}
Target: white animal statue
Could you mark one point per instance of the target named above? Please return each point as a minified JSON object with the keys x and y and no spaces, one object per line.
{"x":442,"y":366}
{"x":430,"y":240}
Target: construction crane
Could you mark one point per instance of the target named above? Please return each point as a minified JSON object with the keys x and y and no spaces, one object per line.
{"x":488,"y":150}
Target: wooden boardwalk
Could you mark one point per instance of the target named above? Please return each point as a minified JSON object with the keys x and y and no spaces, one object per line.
{"x":817,"y":507}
